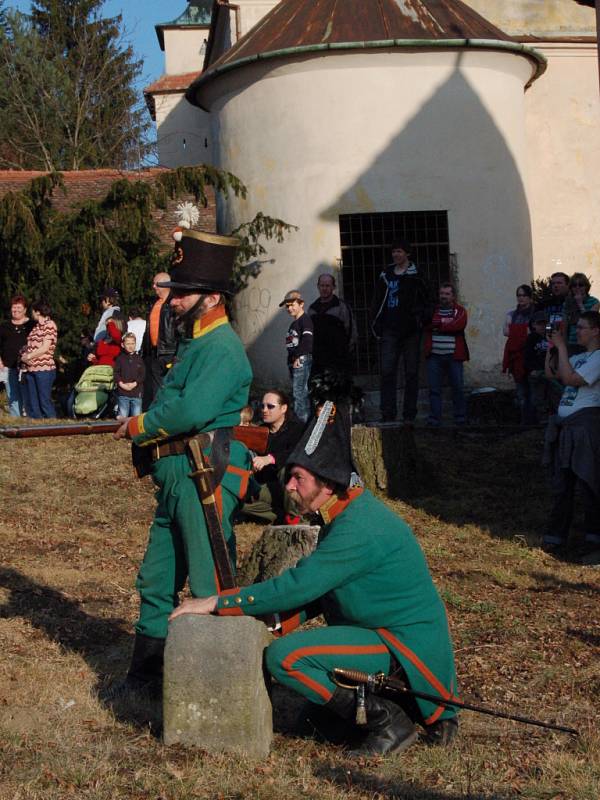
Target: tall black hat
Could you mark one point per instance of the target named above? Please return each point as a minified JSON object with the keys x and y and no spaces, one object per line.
{"x":202,"y":262}
{"x":325,"y":447}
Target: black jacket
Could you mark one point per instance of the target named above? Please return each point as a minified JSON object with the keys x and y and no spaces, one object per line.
{"x":167,"y":337}
{"x":414,"y":309}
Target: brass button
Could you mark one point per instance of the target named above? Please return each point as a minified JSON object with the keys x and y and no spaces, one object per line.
{"x":238,"y":600}
{"x":250,"y":598}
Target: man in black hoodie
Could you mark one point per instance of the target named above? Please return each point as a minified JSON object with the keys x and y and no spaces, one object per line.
{"x":401,"y":306}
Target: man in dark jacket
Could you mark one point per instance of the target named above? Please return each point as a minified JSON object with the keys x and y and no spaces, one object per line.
{"x":335,"y":332}
{"x":160,"y":340}
{"x":400,"y":308}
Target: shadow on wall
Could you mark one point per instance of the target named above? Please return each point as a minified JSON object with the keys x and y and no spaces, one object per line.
{"x":431,"y":164}
{"x":261,"y":321}
{"x":436,"y":166}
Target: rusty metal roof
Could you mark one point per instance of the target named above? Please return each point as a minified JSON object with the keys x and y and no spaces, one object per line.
{"x":301,"y":23}
{"x":296,"y":28}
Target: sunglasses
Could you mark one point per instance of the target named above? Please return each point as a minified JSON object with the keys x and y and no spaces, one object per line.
{"x":270,"y":406}
{"x":579,"y":283}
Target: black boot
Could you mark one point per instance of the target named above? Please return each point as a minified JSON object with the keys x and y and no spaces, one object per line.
{"x":145,"y":673}
{"x":388,"y":728}
{"x":442,"y":732}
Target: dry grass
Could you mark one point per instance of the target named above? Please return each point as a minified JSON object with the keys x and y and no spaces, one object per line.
{"x":526,"y":629}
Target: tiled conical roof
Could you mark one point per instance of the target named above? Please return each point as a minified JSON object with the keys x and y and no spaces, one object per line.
{"x":301,"y":23}
{"x":296,"y":27}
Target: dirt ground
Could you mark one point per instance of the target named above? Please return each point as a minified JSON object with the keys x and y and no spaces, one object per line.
{"x":526,"y":627}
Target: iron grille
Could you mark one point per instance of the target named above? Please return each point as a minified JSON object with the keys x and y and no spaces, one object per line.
{"x":366,"y":241}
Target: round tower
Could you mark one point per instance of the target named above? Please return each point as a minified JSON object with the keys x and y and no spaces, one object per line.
{"x":363,"y":122}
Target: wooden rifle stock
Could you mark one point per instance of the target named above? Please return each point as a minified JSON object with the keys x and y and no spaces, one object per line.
{"x":255,"y":438}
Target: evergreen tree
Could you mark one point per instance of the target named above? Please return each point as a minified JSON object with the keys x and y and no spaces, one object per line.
{"x":67,"y":90}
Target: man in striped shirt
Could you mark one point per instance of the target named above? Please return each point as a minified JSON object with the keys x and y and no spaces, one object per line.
{"x":446,"y":350}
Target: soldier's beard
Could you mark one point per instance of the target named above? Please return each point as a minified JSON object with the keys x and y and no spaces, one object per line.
{"x":185,"y":323}
{"x":304,"y":505}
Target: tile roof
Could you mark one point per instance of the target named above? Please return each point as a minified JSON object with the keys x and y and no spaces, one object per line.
{"x":168,"y":84}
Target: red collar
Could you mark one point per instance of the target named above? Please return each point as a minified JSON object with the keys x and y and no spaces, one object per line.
{"x":335,"y":505}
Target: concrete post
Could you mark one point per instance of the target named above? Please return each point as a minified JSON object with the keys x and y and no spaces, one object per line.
{"x":214,"y":696}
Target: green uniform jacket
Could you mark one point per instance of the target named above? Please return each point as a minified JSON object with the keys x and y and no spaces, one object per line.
{"x":369,"y":571}
{"x":205,"y":389}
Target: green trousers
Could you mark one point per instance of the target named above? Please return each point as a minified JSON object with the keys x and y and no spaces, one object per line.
{"x":178,"y":546}
{"x":304,"y":661}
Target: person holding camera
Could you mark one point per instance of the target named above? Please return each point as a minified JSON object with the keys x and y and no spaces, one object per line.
{"x":573,"y":435}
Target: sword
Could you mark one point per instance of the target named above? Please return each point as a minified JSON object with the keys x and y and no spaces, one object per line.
{"x":203,"y":479}
{"x":351,"y":678}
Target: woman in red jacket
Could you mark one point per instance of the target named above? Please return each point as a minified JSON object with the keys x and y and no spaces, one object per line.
{"x":516,"y":329}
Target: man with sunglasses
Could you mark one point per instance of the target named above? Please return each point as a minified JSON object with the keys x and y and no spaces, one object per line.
{"x":203,"y":392}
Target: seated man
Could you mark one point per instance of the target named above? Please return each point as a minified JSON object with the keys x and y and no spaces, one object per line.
{"x":369,"y":578}
{"x":573,"y":437}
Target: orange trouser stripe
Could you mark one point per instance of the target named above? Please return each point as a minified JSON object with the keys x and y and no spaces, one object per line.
{"x":333,"y":649}
{"x":424,"y":670}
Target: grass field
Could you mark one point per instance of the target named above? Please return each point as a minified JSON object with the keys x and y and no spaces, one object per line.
{"x":526,"y":630}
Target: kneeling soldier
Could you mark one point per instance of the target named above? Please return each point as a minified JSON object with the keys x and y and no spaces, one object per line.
{"x":369,"y":578}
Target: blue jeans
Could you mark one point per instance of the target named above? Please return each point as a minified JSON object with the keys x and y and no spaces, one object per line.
{"x":15,"y":393}
{"x":436,"y":366}
{"x":300,"y":376}
{"x":129,"y":406}
{"x":392,"y":347}
{"x":38,"y":399}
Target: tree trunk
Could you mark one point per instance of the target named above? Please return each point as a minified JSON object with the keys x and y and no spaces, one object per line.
{"x":389,"y":461}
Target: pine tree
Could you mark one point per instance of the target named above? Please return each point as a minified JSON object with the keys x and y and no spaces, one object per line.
{"x":67,"y":90}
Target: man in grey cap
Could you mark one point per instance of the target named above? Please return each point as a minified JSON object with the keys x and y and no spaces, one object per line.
{"x":299,"y":343}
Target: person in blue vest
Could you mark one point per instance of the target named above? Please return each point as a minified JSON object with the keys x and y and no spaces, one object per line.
{"x":369,"y":578}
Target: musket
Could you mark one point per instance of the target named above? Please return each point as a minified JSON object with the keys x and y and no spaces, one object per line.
{"x":350,"y":679}
{"x":254,"y":437}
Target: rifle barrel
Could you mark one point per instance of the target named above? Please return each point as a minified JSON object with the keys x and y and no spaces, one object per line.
{"x":59,"y":429}
{"x":356,"y":676}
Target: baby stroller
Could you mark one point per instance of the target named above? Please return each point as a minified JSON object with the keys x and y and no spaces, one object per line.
{"x":93,"y":395}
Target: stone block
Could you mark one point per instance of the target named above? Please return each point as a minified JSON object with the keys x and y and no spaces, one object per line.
{"x":214,"y":695}
{"x":279,"y":548}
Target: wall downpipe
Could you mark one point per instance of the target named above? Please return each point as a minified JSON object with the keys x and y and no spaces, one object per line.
{"x":236,"y":10}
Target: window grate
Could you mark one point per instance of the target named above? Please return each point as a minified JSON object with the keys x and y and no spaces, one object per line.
{"x":366,"y":241}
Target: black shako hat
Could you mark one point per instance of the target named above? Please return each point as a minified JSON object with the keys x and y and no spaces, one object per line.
{"x":202,"y":262}
{"x":325,"y":447}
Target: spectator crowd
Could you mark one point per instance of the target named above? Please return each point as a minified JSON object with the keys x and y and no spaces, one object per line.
{"x":551,"y":353}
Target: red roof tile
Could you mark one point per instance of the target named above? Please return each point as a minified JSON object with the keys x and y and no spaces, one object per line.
{"x":172,"y":83}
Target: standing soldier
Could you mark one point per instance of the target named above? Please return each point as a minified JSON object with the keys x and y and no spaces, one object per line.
{"x":203,"y":392}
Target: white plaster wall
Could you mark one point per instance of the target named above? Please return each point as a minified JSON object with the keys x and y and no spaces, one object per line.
{"x":563,"y":139}
{"x":538,"y":17}
{"x":184,"y":49}
{"x":251,"y":11}
{"x":387,"y":131}
{"x":183,"y":132}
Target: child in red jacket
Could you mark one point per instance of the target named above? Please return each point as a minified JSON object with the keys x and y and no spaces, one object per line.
{"x":107,"y":349}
